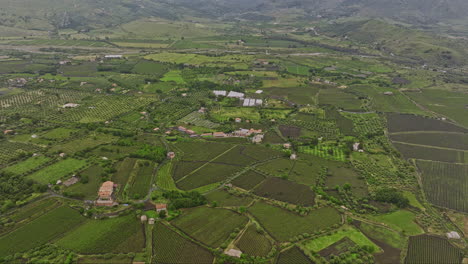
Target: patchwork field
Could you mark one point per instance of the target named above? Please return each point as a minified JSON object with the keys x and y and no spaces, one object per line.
{"x":445,"y":184}
{"x":170,"y":247}
{"x":210,"y":226}
{"x":432,"y":249}
{"x":286,"y":191}
{"x":58,"y":170}
{"x":40,"y":231}
{"x":286,"y":225}
{"x":254,"y":243}
{"x":293,"y":255}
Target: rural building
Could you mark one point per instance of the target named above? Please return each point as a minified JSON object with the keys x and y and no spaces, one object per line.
{"x":105,"y":193}
{"x":453,"y":235}
{"x":356,"y":146}
{"x":71,"y":181}
{"x":233,"y":94}
{"x":151,"y":221}
{"x":219,"y":134}
{"x":257,"y":138}
{"x":238,"y":120}
{"x":161,"y":207}
{"x":62,"y":155}
{"x":207,"y":134}
{"x":286,"y":145}
{"x":219,"y":93}
{"x":8,"y":132}
{"x":70,"y":105}
{"x":293,"y":156}
{"x":233,"y":253}
{"x":202,"y":110}
{"x":259,"y":91}
{"x":182,"y":129}
{"x":388,"y":93}
{"x":143,"y":218}
{"x":171,"y":155}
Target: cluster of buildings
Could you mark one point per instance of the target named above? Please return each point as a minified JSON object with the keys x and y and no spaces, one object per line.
{"x":257,"y":134}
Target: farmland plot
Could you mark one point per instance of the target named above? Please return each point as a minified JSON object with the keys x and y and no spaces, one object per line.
{"x":286,"y":191}
{"x":12,"y":150}
{"x":446,"y":140}
{"x":40,"y":231}
{"x":210,"y":226}
{"x":27,"y":165}
{"x":248,"y":180}
{"x":224,"y":199}
{"x":118,"y":235}
{"x":432,"y":249}
{"x":293,"y":256}
{"x":445,"y":184}
{"x":283,"y":225}
{"x":58,"y":170}
{"x":170,"y":247}
{"x":198,"y":119}
{"x":209,"y":174}
{"x":431,"y":153}
{"x":254,"y":243}
{"x":141,"y":182}
{"x":402,"y":123}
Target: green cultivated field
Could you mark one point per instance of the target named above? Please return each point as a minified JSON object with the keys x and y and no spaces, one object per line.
{"x":40,"y":231}
{"x":27,"y":165}
{"x":117,"y":235}
{"x":283,"y":225}
{"x":402,"y":220}
{"x":293,"y":256}
{"x":164,"y":178}
{"x":224,"y":199}
{"x":254,"y":243}
{"x":445,"y":184}
{"x":90,"y":189}
{"x":58,"y":170}
{"x":210,"y":226}
{"x":141,"y":181}
{"x":248,"y":180}
{"x":170,"y":247}
{"x":357,"y":237}
{"x":432,"y":249}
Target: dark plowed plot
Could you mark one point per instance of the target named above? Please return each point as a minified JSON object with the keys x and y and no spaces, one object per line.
{"x":445,"y":184}
{"x":248,"y":180}
{"x":211,"y":173}
{"x":428,"y":153}
{"x":402,"y":122}
{"x":431,"y":249}
{"x":253,"y":243}
{"x":290,"y":131}
{"x":337,"y":248}
{"x":170,"y":247}
{"x":272,"y":138}
{"x":196,"y":151}
{"x":286,"y":191}
{"x":235,"y":157}
{"x":260,"y":153}
{"x":293,"y":256}
{"x":225,"y":199}
{"x":182,"y":168}
{"x":342,"y":175}
{"x":445,"y":140}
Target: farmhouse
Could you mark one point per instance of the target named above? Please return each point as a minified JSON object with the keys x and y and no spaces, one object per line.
{"x":257,"y":138}
{"x":453,"y":235}
{"x":171,"y":155}
{"x":105,"y":192}
{"x":388,"y":93}
{"x":71,"y":181}
{"x":233,"y":253}
{"x":151,"y":221}
{"x":259,"y":91}
{"x":219,"y":134}
{"x":143,"y":218}
{"x":8,"y":132}
{"x":293,"y":157}
{"x":238,"y":120}
{"x":161,"y":207}
{"x":356,"y":146}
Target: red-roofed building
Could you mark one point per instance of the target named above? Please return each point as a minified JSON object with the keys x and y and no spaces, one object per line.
{"x":161,"y":207}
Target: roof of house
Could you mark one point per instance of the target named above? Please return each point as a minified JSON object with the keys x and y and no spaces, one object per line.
{"x":106,"y":189}
{"x":161,"y":206}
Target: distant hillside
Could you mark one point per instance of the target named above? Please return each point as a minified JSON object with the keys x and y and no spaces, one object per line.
{"x":401,"y":41}
{"x":56,"y":14}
